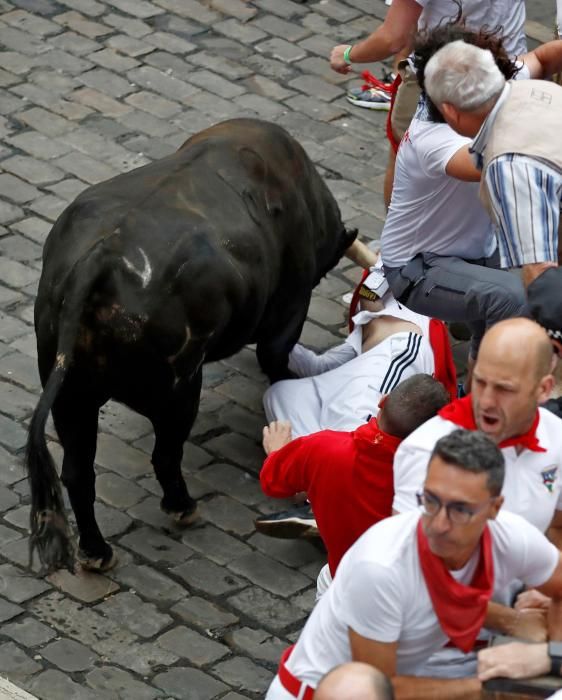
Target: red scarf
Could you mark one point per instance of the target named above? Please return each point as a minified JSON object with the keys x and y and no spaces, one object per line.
{"x":461,"y":610}
{"x":460,"y":413}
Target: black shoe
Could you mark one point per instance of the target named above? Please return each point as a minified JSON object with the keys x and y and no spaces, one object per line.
{"x":298,"y":521}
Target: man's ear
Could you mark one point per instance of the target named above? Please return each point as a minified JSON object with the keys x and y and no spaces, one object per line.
{"x":546,"y":385}
{"x":496,"y":506}
{"x":450,"y":114}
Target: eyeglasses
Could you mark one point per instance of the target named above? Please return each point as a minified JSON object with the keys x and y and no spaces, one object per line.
{"x":458,"y":513}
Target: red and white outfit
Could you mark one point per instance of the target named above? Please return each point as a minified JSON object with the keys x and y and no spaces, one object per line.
{"x":532,"y":486}
{"x":347,"y":392}
{"x":381,"y":593}
{"x":532,"y":489}
{"x":345,"y":473}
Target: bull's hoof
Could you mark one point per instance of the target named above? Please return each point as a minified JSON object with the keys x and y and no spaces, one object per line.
{"x":183,"y":517}
{"x":98,"y":564}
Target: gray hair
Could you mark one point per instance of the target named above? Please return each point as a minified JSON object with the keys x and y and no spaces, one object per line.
{"x":463,"y":75}
{"x":474,"y":452}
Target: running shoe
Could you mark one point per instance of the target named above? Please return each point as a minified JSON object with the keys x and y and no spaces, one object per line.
{"x":296,"y":522}
{"x":373,"y":94}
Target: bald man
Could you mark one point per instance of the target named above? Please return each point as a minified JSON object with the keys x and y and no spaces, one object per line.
{"x":512,"y":377}
{"x":354,"y":681}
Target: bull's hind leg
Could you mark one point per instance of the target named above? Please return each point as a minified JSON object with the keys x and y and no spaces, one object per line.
{"x":76,"y":421}
{"x":172,"y":425}
{"x":278,"y":336}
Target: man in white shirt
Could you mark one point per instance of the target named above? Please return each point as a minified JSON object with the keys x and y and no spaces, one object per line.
{"x":512,"y":377}
{"x":395,"y":35}
{"x":413,"y":583}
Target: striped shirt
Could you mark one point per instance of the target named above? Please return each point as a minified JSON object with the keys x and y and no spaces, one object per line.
{"x":526,"y":195}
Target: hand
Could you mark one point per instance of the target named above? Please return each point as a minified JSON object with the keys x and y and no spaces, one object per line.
{"x":530,"y":625}
{"x":276,"y":435}
{"x":336,"y":59}
{"x":515,"y":660}
{"x":532,"y":599}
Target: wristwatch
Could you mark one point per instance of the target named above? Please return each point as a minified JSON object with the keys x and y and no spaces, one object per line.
{"x":555,"y":655}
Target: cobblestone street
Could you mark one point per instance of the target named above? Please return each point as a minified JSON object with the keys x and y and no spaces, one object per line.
{"x":89,"y":89}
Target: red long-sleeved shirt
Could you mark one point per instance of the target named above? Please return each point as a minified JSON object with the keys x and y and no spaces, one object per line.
{"x":347,"y":477}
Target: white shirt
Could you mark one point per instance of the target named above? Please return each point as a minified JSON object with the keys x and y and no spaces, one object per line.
{"x":424,"y":210}
{"x":509,"y":14}
{"x":345,"y":396}
{"x":379,"y":591}
{"x":532,"y":486}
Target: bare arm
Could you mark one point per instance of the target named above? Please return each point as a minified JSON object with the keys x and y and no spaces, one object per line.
{"x":361,"y":255}
{"x":517,"y":660}
{"x":553,"y":589}
{"x":393,"y":36}
{"x":382,"y":655}
{"x":545,"y":60}
{"x":529,"y":624}
{"x":461,"y":166}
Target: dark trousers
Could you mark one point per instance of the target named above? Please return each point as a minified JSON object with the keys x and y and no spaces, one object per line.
{"x":452,"y":289}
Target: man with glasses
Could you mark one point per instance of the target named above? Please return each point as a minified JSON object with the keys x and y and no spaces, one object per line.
{"x":512,"y":377}
{"x":414,"y":583}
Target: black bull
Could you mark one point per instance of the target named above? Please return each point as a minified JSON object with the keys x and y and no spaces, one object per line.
{"x":151,"y":274}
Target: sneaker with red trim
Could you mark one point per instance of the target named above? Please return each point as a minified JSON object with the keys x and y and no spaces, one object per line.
{"x":373,"y":94}
{"x":370,"y":98}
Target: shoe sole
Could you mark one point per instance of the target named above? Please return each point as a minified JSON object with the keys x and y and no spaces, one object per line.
{"x":288,"y":529}
{"x":379,"y":106}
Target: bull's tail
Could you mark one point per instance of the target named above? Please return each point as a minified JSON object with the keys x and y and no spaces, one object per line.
{"x":50,"y":531}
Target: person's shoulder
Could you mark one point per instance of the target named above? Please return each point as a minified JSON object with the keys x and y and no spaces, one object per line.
{"x":430,"y":135}
{"x":425,"y":437}
{"x":384,"y":543}
{"x":509,"y":529}
{"x":549,"y":431}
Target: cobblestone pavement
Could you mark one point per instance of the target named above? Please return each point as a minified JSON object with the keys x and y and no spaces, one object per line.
{"x":89,"y":89}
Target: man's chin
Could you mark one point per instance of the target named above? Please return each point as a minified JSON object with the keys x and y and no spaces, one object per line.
{"x":491,"y":430}
{"x":441,"y":548}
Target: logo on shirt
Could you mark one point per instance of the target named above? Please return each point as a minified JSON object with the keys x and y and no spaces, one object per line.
{"x":549,"y":477}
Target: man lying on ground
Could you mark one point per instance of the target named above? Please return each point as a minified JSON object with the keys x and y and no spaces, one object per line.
{"x":341,"y":389}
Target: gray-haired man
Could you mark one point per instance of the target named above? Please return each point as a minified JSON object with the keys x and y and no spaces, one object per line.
{"x":517,"y":145}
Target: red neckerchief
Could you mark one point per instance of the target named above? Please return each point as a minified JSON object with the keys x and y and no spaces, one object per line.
{"x":460,"y":609}
{"x":460,"y":413}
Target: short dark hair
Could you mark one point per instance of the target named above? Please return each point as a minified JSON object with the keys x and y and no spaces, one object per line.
{"x":429,"y":41}
{"x":474,"y":452}
{"x":411,"y":403}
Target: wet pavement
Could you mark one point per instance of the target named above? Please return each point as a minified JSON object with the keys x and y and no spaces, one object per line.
{"x":89,"y":89}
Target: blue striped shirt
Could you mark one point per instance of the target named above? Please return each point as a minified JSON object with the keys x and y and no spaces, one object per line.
{"x":526,"y":195}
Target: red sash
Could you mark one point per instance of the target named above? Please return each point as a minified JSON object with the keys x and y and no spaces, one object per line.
{"x":461,"y":610}
{"x":460,"y":413}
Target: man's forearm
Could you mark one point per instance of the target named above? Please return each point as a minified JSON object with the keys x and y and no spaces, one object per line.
{"x":379,"y":45}
{"x":419,"y":688}
{"x":529,"y":624}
